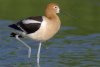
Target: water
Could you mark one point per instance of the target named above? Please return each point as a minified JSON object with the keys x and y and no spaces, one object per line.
{"x":64,"y":50}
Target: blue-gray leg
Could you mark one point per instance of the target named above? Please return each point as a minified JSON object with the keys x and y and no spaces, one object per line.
{"x":29,"y":51}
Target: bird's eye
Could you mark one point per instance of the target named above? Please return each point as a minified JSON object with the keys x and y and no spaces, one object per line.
{"x":55,"y":7}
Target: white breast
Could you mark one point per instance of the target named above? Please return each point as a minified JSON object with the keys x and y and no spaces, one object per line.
{"x":39,"y":34}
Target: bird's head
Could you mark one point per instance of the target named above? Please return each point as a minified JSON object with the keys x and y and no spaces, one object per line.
{"x":53,"y":7}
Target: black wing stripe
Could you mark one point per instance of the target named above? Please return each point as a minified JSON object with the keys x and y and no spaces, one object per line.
{"x":37,"y":18}
{"x":30,"y":28}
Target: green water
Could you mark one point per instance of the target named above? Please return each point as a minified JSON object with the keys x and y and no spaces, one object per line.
{"x":84,"y":14}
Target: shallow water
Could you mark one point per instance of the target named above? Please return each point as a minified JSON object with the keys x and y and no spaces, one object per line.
{"x":64,"y":50}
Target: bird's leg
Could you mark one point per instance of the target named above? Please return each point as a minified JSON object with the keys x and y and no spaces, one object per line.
{"x":29,"y":51}
{"x":38,"y":54}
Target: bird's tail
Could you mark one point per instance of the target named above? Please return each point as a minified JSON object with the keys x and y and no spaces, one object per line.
{"x":13,"y":34}
{"x":14,"y":26}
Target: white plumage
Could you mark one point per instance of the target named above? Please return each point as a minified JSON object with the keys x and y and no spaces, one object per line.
{"x":30,"y":21}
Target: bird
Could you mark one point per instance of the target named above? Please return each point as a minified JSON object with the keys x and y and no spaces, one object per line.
{"x":39,"y":28}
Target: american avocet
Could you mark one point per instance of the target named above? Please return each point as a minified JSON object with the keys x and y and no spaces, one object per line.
{"x":40,"y":28}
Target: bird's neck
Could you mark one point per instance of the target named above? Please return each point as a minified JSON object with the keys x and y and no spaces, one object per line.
{"x":51,"y":15}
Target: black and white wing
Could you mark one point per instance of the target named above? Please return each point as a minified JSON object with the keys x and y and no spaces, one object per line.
{"x":28,"y":25}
